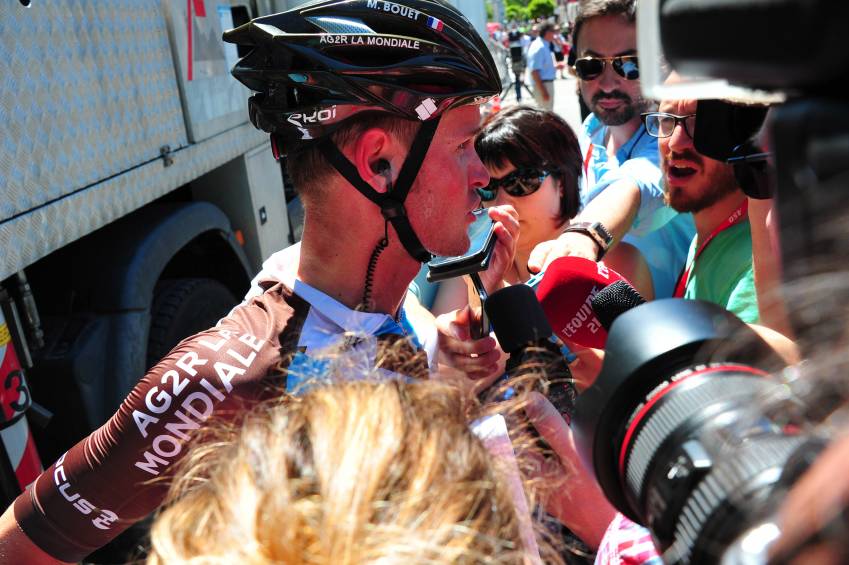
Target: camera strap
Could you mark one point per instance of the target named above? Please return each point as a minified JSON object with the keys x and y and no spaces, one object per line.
{"x":737,"y":216}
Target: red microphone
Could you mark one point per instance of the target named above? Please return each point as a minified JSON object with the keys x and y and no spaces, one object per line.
{"x":566,"y":292}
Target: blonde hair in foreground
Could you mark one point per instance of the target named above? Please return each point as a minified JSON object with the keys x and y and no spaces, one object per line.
{"x":358,"y":472}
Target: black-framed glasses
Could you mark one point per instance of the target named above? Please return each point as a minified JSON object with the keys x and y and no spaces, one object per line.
{"x":752,"y":170}
{"x":662,"y":124}
{"x":590,"y":68}
{"x":520,"y":182}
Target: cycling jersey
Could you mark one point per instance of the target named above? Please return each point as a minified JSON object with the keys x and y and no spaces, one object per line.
{"x":114,"y":477}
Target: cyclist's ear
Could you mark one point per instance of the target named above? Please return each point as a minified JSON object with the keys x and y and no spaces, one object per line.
{"x":371,"y":154}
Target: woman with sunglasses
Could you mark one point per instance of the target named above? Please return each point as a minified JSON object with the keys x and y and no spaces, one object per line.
{"x":534,"y":163}
{"x":533,"y":160}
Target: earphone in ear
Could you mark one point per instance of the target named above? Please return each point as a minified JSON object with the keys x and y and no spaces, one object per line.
{"x":381,"y":167}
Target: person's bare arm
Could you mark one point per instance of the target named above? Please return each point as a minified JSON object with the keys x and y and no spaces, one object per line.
{"x":616,"y":207}
{"x":780,"y":343}
{"x":16,"y":547}
{"x":540,"y":86}
{"x":578,"y":502}
{"x":627,"y":260}
{"x":766,"y":264}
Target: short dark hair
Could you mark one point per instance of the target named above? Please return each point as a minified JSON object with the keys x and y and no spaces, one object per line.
{"x":589,"y":9}
{"x":308,"y":168}
{"x":532,"y":138}
{"x":545,"y":28}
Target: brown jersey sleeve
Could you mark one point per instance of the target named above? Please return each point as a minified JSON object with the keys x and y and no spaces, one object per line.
{"x":118,"y":474}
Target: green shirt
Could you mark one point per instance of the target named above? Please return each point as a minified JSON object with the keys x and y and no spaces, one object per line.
{"x":723,"y":273}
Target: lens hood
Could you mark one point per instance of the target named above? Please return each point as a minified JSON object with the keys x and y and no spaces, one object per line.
{"x":645,"y":346}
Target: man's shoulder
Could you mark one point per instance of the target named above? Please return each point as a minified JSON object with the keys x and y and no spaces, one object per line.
{"x":274,"y":315}
{"x":593,"y":129}
{"x":644,"y":145}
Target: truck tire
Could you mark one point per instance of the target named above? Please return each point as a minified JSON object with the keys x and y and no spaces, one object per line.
{"x":183,"y":307}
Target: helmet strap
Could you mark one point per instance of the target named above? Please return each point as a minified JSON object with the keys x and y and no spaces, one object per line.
{"x":391,"y":202}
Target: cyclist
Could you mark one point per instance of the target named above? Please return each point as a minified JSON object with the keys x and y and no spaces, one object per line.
{"x":375,"y":105}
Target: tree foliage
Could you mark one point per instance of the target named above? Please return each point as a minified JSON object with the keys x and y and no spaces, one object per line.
{"x":540,"y":8}
{"x":515,"y":10}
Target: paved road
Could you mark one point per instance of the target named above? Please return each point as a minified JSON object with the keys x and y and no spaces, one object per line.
{"x":565,"y":101}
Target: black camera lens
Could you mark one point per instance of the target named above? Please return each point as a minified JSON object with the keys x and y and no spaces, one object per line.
{"x":677,"y":376}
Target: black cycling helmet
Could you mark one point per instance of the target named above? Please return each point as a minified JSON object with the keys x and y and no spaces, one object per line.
{"x":318,"y":64}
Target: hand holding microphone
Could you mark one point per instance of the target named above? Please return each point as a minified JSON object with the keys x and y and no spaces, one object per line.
{"x":566,"y":292}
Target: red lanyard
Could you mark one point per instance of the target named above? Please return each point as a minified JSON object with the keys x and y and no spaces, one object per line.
{"x":587,"y":160}
{"x":735,"y":218}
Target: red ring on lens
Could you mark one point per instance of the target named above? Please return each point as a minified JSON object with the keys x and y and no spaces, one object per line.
{"x":650,"y":404}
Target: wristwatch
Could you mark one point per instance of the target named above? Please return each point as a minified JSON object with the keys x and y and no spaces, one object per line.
{"x":595,"y":231}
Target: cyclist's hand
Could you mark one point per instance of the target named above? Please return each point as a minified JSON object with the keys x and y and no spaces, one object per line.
{"x":570,"y":243}
{"x":480,"y":359}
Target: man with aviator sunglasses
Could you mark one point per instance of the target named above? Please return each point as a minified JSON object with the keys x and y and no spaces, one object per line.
{"x":621,"y":186}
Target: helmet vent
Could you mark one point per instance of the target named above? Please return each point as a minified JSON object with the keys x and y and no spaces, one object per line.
{"x":339,"y":25}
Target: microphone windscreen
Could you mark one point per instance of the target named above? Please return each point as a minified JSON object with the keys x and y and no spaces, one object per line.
{"x":516,"y":317}
{"x":565,"y":292}
{"x":613,"y":300}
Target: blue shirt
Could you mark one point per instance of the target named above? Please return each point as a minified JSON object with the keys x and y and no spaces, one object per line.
{"x":540,"y":58}
{"x":661,"y":234}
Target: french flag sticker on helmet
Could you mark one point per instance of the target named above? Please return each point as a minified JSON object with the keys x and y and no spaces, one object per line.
{"x":434,"y":23}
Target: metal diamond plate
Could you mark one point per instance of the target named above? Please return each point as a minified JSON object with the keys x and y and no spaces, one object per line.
{"x":27,"y":238}
{"x":88,"y":90}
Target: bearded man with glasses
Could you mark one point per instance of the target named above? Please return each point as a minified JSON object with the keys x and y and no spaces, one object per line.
{"x":621,"y":191}
{"x":719,"y":264}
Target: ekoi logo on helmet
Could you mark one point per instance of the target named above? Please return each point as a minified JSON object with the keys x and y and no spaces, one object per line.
{"x":302,"y":120}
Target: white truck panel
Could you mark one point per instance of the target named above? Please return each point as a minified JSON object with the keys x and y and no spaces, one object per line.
{"x":26,"y":238}
{"x":261,"y":214}
{"x":89,"y":95}
{"x":213,"y":100}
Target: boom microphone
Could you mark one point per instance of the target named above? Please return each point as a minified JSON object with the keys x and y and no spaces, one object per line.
{"x":565,"y":292}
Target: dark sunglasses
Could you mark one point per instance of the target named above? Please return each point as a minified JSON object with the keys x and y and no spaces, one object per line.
{"x":590,"y":68}
{"x":520,"y":182}
{"x":753,"y":171}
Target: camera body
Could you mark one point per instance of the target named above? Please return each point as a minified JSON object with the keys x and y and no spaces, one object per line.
{"x":517,"y":57}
